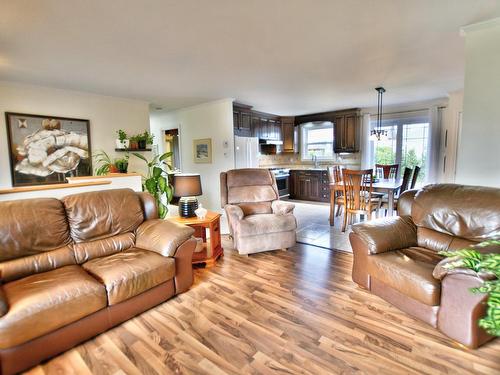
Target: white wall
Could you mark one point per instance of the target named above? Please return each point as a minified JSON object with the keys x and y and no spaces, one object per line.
{"x":478,"y":160}
{"x":106,"y":115}
{"x":209,"y":120}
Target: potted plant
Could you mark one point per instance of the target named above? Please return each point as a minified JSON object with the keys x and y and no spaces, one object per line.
{"x":149,"y":138}
{"x":104,"y":164}
{"x":142,"y":140}
{"x":134,"y":145}
{"x":122,"y":164}
{"x":156,"y":181}
{"x":122,"y":142}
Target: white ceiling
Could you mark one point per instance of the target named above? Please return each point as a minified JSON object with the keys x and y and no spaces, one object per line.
{"x":282,"y":56}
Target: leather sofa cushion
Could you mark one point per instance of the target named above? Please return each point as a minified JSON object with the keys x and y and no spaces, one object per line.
{"x":42,"y":262}
{"x":409,"y":271}
{"x":130,"y":273}
{"x":254,"y":225}
{"x":85,"y":251}
{"x":42,"y":303}
{"x":32,"y":226}
{"x":469,"y":212}
{"x":4,"y":307}
{"x":101,"y":214}
{"x":438,"y":241}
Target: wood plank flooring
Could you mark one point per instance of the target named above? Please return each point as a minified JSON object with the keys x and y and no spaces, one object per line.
{"x":294,"y":312}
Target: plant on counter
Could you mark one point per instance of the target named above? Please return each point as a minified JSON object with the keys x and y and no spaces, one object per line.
{"x":156,"y":182}
{"x":106,"y":165}
{"x":483,"y":263}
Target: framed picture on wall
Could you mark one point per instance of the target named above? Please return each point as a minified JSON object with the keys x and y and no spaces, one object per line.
{"x":202,"y":149}
{"x":47,"y":149}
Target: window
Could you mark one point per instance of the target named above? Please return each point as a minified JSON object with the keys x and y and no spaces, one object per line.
{"x":317,"y":139}
{"x":406,"y":144}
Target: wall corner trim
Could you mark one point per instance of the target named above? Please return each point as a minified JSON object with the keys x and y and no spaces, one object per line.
{"x":467,"y":29}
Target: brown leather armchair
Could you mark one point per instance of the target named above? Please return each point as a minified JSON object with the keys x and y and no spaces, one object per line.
{"x":397,"y":258}
{"x":73,"y":268}
{"x":258,"y":220}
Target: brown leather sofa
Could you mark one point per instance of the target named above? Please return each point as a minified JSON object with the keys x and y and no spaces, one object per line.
{"x":258,"y":220}
{"x":397,"y":258}
{"x":75,"y":267}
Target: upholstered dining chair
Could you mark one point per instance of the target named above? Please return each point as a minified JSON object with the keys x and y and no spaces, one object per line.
{"x":358,"y":199}
{"x":388,"y":170}
{"x":258,"y":220}
{"x":336,"y":191}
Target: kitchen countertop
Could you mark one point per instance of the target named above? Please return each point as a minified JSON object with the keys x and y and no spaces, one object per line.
{"x":310,"y":167}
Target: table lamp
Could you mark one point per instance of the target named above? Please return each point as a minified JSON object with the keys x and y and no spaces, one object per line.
{"x":186,"y":187}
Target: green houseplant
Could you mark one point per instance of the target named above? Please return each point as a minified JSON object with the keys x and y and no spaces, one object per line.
{"x":104,"y":163}
{"x":156,"y":181}
{"x":122,"y":164}
{"x":122,"y":141}
{"x":483,"y":263}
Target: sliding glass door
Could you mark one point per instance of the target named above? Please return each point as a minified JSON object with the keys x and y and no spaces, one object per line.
{"x":406,"y":143}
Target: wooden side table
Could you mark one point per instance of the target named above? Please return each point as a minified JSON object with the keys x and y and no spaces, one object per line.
{"x":212,"y":247}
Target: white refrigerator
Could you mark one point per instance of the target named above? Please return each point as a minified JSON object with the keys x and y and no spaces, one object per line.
{"x":246,"y":152}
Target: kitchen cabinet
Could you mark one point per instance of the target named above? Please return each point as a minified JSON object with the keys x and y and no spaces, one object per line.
{"x":289,"y":134}
{"x":346,"y":133}
{"x":309,"y":185}
{"x":242,"y":120}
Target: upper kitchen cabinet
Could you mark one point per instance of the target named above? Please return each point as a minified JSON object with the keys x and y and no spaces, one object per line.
{"x":289,"y":135}
{"x":346,"y":128}
{"x":346,"y":132}
{"x":242,"y":120}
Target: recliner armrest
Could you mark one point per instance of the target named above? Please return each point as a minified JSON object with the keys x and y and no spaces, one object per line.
{"x":162,"y":236}
{"x":387,"y":234}
{"x":4,"y":306}
{"x":282,"y":208}
{"x":234,"y":213}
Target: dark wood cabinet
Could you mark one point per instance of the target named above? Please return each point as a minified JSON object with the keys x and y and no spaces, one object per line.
{"x":242,"y":120}
{"x":346,"y":133}
{"x":289,"y":135}
{"x":309,"y":185}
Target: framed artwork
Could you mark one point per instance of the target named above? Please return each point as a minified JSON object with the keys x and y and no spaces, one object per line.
{"x":47,"y":149}
{"x":202,"y":149}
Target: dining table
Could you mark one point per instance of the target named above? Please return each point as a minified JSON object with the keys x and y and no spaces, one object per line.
{"x":389,"y":186}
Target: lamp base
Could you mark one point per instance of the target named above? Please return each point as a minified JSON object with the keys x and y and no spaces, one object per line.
{"x":188,"y":206}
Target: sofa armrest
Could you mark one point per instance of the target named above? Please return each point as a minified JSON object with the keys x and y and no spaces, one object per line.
{"x":282,"y":208}
{"x":162,"y":236}
{"x":387,"y":234}
{"x":4,"y":306}
{"x":445,"y":267}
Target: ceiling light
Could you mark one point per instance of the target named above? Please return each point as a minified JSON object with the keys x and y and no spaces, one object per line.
{"x":378,"y":134}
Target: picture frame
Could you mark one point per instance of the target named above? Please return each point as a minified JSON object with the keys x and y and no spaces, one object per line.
{"x":45,"y":149}
{"x":202,"y":150}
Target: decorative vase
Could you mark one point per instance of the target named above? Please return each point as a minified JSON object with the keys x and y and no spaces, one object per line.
{"x":201,"y":212}
{"x":133,"y":145}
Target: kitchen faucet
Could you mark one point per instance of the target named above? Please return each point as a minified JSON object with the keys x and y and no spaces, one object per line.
{"x":315,"y":161}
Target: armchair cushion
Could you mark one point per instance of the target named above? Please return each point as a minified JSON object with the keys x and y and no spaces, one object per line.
{"x":162,"y":236}
{"x":409,"y":271}
{"x":387,"y":234}
{"x":256,"y":208}
{"x":282,"y":208}
{"x":254,"y":225}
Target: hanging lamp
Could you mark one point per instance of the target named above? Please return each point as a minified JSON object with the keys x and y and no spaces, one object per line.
{"x":378,"y":134}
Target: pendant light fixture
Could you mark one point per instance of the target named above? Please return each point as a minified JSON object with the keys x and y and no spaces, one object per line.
{"x":378,"y":134}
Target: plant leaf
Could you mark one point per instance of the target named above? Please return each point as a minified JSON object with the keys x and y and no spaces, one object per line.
{"x":162,"y":183}
{"x":166,"y":155}
{"x":151,"y":186}
{"x":157,"y":171}
{"x":140,"y":156}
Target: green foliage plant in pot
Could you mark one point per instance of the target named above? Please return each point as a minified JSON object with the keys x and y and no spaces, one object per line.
{"x":122,"y":141}
{"x":156,"y":181}
{"x":104,"y":164}
{"x":487,"y":264}
{"x":122,"y":164}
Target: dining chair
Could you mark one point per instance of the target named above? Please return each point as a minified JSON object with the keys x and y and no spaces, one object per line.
{"x":358,"y":199}
{"x":336,"y":191}
{"x":416,"y":171}
{"x":388,"y":170}
{"x":384,"y":203}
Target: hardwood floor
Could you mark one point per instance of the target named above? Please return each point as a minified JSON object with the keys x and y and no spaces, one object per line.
{"x":294,"y":312}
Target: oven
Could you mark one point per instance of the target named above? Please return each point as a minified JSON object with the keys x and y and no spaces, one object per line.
{"x":282,"y":181}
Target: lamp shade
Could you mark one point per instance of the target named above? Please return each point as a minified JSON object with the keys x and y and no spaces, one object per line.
{"x":187,"y":185}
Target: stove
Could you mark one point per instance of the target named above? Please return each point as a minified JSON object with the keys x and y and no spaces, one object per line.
{"x":282,"y":176}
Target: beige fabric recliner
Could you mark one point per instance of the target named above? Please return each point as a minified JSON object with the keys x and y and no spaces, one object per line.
{"x":258,"y":220}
